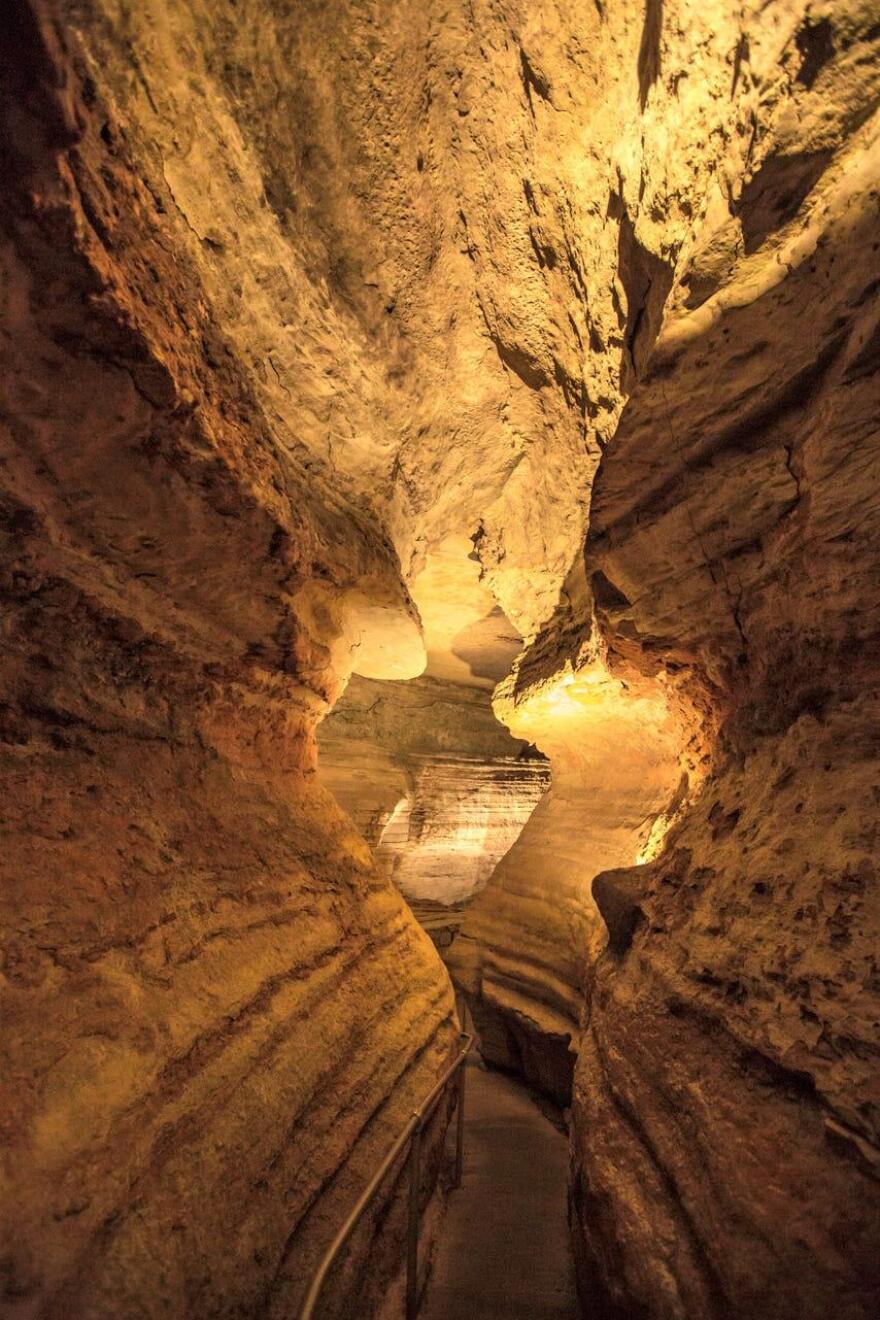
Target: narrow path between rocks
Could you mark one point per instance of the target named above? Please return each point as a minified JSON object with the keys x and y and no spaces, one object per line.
{"x":504,"y":1251}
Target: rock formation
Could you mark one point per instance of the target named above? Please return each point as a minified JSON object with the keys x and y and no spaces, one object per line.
{"x":527,"y":943}
{"x":433,"y":781}
{"x":727,"y":1085}
{"x":205,"y":1047}
{"x":534,"y":344}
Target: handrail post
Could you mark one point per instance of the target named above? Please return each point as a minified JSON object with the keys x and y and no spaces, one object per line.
{"x":412,"y":1228}
{"x":459,"y":1126}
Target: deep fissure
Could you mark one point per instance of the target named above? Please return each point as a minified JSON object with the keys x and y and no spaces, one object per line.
{"x":440,"y":524}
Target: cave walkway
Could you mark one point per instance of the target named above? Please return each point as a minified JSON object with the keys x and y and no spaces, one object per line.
{"x":504,"y":1251}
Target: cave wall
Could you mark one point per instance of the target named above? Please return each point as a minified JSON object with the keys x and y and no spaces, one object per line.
{"x":216,"y":1014}
{"x":293,"y":297}
{"x":726,"y":1098}
{"x":327,"y":165}
{"x":620,"y":184}
{"x":527,"y":945}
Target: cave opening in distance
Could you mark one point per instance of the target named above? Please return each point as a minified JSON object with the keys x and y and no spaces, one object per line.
{"x":434,"y":383}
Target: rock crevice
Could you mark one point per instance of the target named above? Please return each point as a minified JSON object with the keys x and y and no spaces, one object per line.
{"x":489,"y":346}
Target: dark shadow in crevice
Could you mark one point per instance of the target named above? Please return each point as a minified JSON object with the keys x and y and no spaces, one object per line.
{"x":649,"y":49}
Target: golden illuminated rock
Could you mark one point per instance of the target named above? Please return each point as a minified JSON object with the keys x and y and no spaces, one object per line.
{"x":205,"y":1050}
{"x":527,"y":945}
{"x":434,"y":782}
{"x":461,"y":344}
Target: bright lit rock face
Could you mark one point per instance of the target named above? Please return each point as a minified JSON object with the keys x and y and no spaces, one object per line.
{"x":527,"y":945}
{"x":434,"y":782}
{"x":444,"y":841}
{"x":312,"y":311}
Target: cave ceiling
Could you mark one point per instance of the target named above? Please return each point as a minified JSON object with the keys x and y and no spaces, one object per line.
{"x":443,"y":242}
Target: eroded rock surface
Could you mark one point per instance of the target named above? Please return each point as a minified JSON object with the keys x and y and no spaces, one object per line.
{"x":527,"y":945}
{"x":726,"y":1098}
{"x":308,"y":306}
{"x":437,"y":785}
{"x":206,"y":1046}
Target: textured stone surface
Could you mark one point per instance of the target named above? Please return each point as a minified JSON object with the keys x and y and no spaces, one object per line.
{"x":205,"y":1044}
{"x":303,"y":303}
{"x":433,"y":780}
{"x":726,"y":1099}
{"x":527,"y":943}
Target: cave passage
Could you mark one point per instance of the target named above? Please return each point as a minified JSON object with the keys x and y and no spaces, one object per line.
{"x":439,"y":549}
{"x":504,"y":1247}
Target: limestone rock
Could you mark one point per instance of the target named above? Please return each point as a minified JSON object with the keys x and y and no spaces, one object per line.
{"x":726,"y":1100}
{"x":205,"y":1047}
{"x":435,"y":783}
{"x":617,"y":895}
{"x":319,"y":321}
{"x":526,"y":946}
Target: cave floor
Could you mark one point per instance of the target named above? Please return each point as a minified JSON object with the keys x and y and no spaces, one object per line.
{"x":504,"y":1249}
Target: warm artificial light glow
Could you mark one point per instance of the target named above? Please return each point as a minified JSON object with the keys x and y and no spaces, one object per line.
{"x":653,"y":844}
{"x":614,"y":749}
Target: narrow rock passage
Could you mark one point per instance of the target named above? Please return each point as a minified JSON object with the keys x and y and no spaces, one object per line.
{"x":504,"y":1250}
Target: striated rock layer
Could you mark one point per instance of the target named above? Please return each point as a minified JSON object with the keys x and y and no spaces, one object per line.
{"x":726,"y":1105}
{"x":216,"y":1015}
{"x":442,"y":842}
{"x":432,"y":779}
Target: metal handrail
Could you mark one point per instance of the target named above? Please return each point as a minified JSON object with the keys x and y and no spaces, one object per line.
{"x":412,"y":1132}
